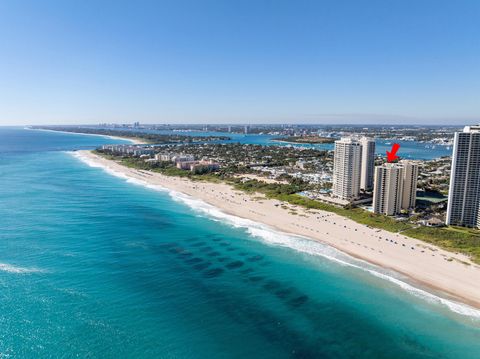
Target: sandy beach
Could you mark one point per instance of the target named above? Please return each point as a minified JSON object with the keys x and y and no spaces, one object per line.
{"x":452,"y":274}
{"x":133,"y":140}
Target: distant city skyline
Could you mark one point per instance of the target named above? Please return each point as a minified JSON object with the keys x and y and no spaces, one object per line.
{"x":322,"y":120}
{"x":252,"y":62}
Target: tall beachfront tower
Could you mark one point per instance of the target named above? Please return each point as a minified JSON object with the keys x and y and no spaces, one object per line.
{"x":347,"y":168}
{"x":388,"y":189}
{"x":368,"y":163}
{"x":395,"y":187}
{"x":464,"y":192}
{"x":410,"y":179}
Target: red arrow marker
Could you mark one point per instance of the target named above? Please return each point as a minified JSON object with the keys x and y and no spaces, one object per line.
{"x":392,"y":155}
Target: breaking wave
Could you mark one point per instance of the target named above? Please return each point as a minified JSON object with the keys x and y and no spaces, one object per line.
{"x":5,"y":267}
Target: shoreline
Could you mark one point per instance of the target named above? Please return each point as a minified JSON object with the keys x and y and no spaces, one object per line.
{"x":444,"y":273}
{"x":134,"y":141}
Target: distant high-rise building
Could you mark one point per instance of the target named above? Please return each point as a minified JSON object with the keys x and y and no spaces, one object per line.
{"x":464,"y":193}
{"x":347,"y":168}
{"x":395,"y":187}
{"x":368,"y":163}
{"x":246,"y":129}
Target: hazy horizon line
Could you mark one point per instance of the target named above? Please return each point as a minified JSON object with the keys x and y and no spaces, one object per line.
{"x":244,"y":124}
{"x":345,"y":119}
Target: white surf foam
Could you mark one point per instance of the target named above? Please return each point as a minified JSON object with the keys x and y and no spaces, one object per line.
{"x":92,"y":163}
{"x":5,"y":267}
{"x":298,"y":243}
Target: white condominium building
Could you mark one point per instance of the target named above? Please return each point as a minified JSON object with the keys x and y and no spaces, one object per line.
{"x":395,"y":187}
{"x":464,"y":192}
{"x":368,"y":163}
{"x":347,"y":168}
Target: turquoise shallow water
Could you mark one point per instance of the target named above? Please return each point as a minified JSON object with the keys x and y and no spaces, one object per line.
{"x":94,"y":266}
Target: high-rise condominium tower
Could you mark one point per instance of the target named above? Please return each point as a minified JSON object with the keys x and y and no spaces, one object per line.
{"x":410,"y":179}
{"x":387,"y":194}
{"x":347,"y":168}
{"x":368,"y":163}
{"x":464,"y":192}
{"x":395,"y":187}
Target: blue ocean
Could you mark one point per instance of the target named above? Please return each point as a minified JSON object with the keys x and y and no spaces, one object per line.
{"x":93,"y":265}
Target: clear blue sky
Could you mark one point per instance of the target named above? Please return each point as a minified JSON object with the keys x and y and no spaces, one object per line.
{"x":376,"y":61}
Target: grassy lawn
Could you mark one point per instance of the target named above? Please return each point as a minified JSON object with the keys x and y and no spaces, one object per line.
{"x":454,"y":239}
